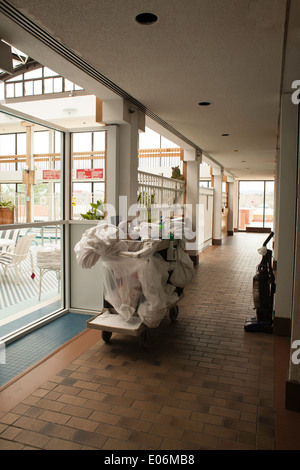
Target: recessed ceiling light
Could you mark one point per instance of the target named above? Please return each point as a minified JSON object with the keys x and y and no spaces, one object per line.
{"x":146,"y":18}
{"x":204,"y":103}
{"x":70,"y":110}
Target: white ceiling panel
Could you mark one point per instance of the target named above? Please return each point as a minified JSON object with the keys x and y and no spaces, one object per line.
{"x":226,"y":52}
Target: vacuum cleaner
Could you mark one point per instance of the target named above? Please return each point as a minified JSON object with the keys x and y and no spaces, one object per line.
{"x":263,"y":292}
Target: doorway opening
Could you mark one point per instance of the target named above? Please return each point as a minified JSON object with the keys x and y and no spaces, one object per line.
{"x":256,"y":205}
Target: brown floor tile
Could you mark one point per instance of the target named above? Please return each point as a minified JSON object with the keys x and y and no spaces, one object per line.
{"x":203,"y":382}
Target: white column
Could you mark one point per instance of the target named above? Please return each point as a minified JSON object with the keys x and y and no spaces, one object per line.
{"x":112,"y":167}
{"x":286,"y":211}
{"x":236,"y":206}
{"x":128,"y":160}
{"x":276,"y":208}
{"x":292,"y":393}
{"x":217,"y":215}
{"x":192,"y":206}
{"x":230,"y":218}
{"x":122,"y":153}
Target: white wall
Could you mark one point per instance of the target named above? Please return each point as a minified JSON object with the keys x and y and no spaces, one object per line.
{"x":206,"y":198}
{"x":86,"y":288}
{"x":286,"y":208}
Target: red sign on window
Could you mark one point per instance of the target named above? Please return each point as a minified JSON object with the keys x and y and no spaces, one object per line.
{"x":89,"y":174}
{"x":51,"y":174}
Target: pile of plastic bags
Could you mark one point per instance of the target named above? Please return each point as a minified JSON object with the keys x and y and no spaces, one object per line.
{"x":136,"y":278}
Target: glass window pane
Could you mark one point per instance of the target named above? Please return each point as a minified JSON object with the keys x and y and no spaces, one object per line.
{"x":1,"y":91}
{"x":15,"y":79}
{"x":57,"y":142}
{"x":149,"y":140}
{"x":166,"y":143}
{"x":82,"y":197}
{"x":48,"y":85}
{"x":99,"y":140}
{"x":69,"y":86}
{"x":269,"y":204}
{"x":37,"y":87}
{"x":49,"y":72}
{"x":19,"y":89}
{"x":41,"y":142}
{"x":45,"y":205}
{"x":10,"y":90}
{"x":57,"y":84}
{"x":21,"y":144}
{"x":7,"y":144}
{"x":8,"y":192}
{"x":34,"y":297}
{"x":251,"y":204}
{"x":82,"y":142}
{"x":16,"y":63}
{"x":99,"y":191}
{"x":37,"y":73}
{"x":28,"y":88}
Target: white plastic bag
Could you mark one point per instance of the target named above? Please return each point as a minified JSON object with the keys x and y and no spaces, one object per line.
{"x":149,"y":316}
{"x":184,"y":269}
{"x":98,"y":241}
{"x":122,"y":288}
{"x":157,"y":293}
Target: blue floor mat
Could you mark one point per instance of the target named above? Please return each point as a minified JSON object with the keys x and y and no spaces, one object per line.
{"x":27,"y":351}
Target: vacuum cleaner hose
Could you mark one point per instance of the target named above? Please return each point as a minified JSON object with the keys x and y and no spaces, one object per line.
{"x":268,"y":239}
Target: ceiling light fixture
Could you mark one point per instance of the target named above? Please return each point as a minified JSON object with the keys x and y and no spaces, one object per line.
{"x":146,"y":18}
{"x":70,"y":110}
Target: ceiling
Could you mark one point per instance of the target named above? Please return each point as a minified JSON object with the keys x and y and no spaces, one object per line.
{"x":78,"y":111}
{"x":228,"y":53}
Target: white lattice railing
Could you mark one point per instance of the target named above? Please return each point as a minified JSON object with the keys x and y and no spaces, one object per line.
{"x":161,"y":193}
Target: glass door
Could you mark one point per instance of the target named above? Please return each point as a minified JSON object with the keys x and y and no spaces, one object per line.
{"x":269,"y":204}
{"x":256,"y":204}
{"x":31,"y":224}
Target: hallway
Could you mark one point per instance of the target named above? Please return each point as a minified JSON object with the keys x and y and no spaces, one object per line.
{"x":202,"y":383}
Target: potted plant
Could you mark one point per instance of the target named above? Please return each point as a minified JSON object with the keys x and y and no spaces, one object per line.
{"x":146,"y":200}
{"x":7,"y":212}
{"x":176,"y":173}
{"x":97,"y":211}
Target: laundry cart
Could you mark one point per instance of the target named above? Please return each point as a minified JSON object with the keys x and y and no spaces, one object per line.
{"x":139,"y":286}
{"x":137,"y":291}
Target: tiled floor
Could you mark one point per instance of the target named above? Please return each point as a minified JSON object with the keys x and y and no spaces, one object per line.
{"x":202,"y":383}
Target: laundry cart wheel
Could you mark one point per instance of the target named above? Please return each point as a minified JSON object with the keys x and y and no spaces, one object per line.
{"x":106,"y":335}
{"x":144,"y":339}
{"x":173,"y":314}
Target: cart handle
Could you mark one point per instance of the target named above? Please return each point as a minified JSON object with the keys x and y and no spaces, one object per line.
{"x":148,"y":249}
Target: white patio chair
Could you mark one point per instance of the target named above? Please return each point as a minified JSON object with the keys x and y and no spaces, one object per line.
{"x":14,"y":259}
{"x":12,"y":234}
{"x":49,"y":259}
